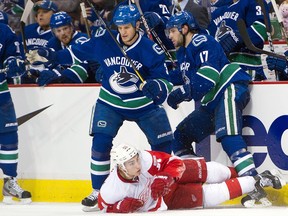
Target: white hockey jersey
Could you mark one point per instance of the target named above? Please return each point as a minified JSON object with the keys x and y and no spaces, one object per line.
{"x":116,"y":188}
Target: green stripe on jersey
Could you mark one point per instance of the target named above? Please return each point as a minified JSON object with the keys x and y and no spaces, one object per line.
{"x":114,"y":100}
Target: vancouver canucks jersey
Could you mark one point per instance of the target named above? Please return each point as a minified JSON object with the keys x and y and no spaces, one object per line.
{"x":120,"y":84}
{"x":9,"y":46}
{"x":77,"y":73}
{"x":224,"y":19}
{"x":205,"y":64}
{"x":35,"y":37}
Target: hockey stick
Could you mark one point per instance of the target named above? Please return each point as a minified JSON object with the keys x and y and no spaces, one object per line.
{"x":245,"y":36}
{"x":117,"y":43}
{"x":155,"y":35}
{"x":280,"y":19}
{"x":268,"y":30}
{"x":84,"y":14}
{"x":28,"y":7}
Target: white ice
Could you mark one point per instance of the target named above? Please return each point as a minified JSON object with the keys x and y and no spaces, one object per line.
{"x":74,"y":209}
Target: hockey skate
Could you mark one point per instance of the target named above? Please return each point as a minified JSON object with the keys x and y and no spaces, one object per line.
{"x":12,"y":190}
{"x":258,"y":197}
{"x":90,"y":203}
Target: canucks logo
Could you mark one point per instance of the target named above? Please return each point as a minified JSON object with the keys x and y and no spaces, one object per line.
{"x":223,"y":29}
{"x":123,"y":81}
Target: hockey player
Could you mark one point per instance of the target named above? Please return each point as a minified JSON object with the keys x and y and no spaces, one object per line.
{"x":64,"y":36}
{"x":123,"y":96}
{"x":220,"y":87}
{"x":223,"y":27}
{"x":9,"y":59}
{"x":157,"y":14}
{"x":147,"y":181}
{"x":38,"y":34}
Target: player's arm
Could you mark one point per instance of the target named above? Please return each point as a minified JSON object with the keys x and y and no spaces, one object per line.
{"x":126,"y":205}
{"x":255,"y":24}
{"x":166,"y":170}
{"x":157,"y":83}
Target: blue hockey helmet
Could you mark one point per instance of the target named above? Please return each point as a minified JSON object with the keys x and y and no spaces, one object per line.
{"x":46,"y":5}
{"x":3,"y":17}
{"x":60,"y":19}
{"x":126,"y":14}
{"x":180,"y":18}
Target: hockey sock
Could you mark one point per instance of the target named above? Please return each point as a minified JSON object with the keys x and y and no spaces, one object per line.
{"x":217,"y":173}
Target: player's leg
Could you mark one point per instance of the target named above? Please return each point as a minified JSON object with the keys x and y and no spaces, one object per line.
{"x":105,"y":125}
{"x":200,"y":171}
{"x":9,"y":153}
{"x":155,"y":125}
{"x":194,"y":128}
{"x":228,"y":118}
{"x":8,"y":164}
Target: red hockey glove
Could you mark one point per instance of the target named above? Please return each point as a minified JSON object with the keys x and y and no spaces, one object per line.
{"x":127,"y":205}
{"x":161,"y":186}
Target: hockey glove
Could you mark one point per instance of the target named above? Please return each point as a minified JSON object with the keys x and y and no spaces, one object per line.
{"x":127,"y":205}
{"x":230,"y":41}
{"x":16,"y":67}
{"x":155,"y":90}
{"x":184,"y":93}
{"x":275,"y":63}
{"x":48,"y":76}
{"x":41,"y":55}
{"x":153,"y":20}
{"x":161,"y":185}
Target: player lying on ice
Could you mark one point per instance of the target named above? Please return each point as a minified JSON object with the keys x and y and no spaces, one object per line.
{"x":143,"y":181}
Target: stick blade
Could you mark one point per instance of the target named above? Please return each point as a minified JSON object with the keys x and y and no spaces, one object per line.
{"x":28,"y":7}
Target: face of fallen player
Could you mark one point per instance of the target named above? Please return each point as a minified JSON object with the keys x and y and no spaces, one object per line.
{"x":64,"y":33}
{"x":128,"y":33}
{"x":176,"y":37}
{"x":133,"y":167}
{"x":43,"y":18}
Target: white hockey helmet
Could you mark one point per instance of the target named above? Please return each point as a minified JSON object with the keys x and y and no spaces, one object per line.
{"x":122,"y":153}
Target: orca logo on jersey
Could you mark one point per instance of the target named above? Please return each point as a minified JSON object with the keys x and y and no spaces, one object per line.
{"x":123,"y":82}
{"x":222,"y":30}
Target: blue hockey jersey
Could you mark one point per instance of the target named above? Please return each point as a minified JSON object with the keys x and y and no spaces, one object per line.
{"x":35,"y":37}
{"x":9,"y":46}
{"x":225,"y":19}
{"x":120,"y":84}
{"x":208,"y":69}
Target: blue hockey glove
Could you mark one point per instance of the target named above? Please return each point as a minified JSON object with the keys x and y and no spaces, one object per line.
{"x":41,"y":55}
{"x":230,"y":41}
{"x":275,"y":63}
{"x":16,"y":67}
{"x":179,"y":95}
{"x":153,"y":19}
{"x":154,"y":89}
{"x":48,"y":76}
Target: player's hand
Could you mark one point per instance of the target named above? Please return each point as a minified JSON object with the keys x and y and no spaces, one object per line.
{"x":155,"y":90}
{"x":48,"y":76}
{"x":41,"y":55}
{"x":153,"y":19}
{"x":127,"y":205}
{"x":275,"y":63}
{"x":184,"y":93}
{"x":230,"y":41}
{"x":16,"y":67}
{"x":161,"y":185}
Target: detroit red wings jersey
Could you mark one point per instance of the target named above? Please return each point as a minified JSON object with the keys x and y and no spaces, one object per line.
{"x":116,"y":188}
